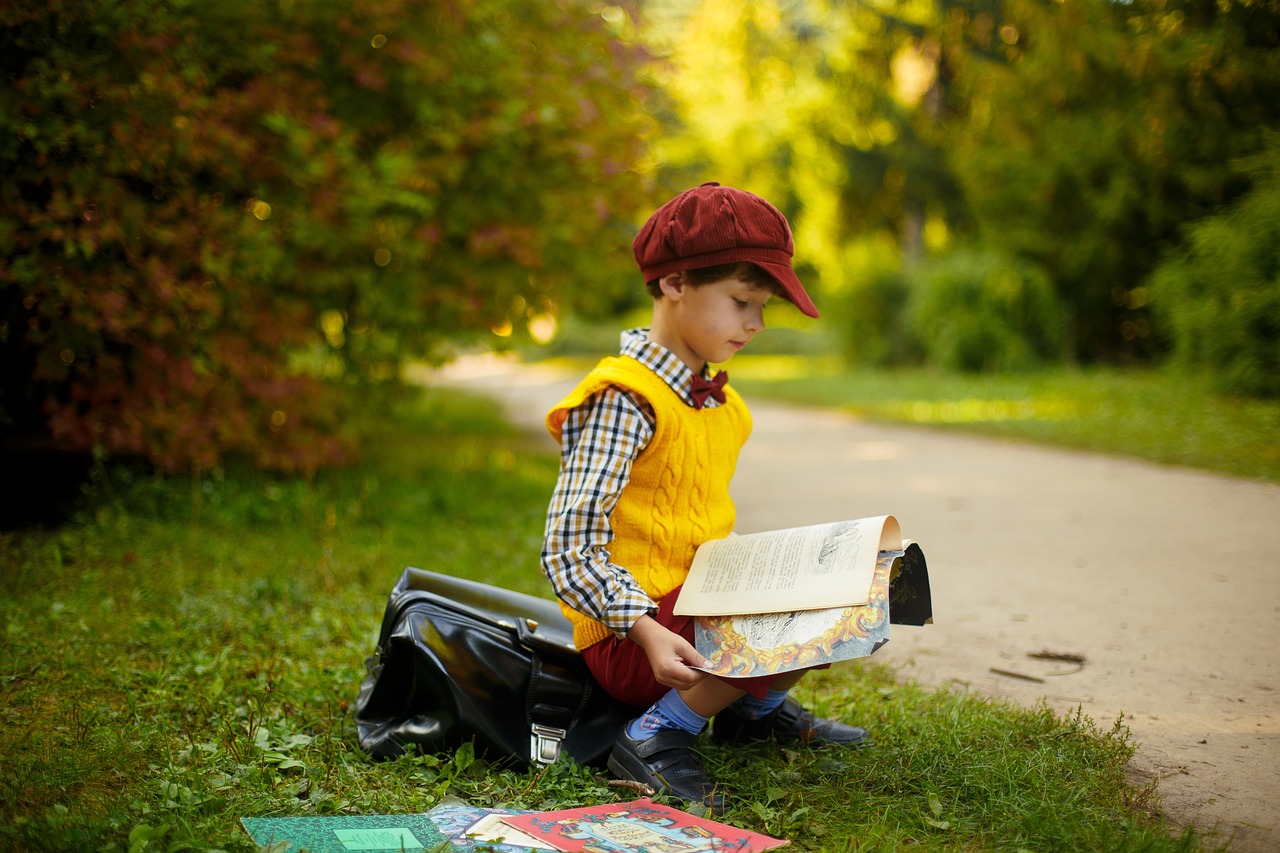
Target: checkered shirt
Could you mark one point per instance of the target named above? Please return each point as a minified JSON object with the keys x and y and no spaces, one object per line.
{"x":598,"y":443}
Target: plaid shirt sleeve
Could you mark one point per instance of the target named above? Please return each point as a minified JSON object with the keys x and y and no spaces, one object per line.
{"x":599,"y":441}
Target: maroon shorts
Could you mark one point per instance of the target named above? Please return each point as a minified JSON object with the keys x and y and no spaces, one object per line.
{"x":623,"y":669}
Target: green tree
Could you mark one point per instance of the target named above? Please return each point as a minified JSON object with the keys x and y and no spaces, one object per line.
{"x":1220,"y":295}
{"x":218,"y":218}
{"x":1109,"y":127}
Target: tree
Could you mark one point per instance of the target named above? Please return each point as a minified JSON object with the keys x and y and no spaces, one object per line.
{"x":1220,"y":295}
{"x":1109,"y":127}
{"x":219,"y":218}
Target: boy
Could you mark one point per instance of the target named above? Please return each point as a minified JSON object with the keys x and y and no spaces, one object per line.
{"x":649,"y":443}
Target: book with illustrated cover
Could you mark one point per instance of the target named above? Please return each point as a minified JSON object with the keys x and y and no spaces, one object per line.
{"x":770,"y":643}
{"x":766,"y":603}
{"x":638,"y":825}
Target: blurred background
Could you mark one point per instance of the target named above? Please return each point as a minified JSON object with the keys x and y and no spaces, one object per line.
{"x":227,"y":228}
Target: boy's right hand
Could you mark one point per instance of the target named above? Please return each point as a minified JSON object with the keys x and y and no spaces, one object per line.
{"x":670,"y":655}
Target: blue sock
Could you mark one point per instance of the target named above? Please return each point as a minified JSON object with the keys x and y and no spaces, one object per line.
{"x":753,"y":708}
{"x":669,"y":712}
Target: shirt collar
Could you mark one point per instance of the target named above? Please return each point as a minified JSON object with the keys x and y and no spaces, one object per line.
{"x":662,"y":361}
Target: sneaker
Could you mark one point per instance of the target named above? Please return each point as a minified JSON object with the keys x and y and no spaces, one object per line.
{"x":788,"y":723}
{"x":666,"y":762}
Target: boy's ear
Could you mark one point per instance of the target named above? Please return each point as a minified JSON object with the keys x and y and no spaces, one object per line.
{"x":672,"y":285}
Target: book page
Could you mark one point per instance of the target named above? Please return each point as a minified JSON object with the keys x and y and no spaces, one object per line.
{"x":798,"y":568}
{"x":492,"y":828}
{"x":773,"y":643}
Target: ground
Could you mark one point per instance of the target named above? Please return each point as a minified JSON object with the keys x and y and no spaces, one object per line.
{"x":1163,"y":579}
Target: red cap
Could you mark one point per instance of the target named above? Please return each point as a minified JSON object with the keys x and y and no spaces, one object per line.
{"x":711,"y":225}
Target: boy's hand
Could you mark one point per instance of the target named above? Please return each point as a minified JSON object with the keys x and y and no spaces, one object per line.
{"x":670,"y":655}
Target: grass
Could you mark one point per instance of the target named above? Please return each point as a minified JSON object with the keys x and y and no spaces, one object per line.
{"x":184,"y":651}
{"x":1145,"y":414}
{"x":1154,"y":415}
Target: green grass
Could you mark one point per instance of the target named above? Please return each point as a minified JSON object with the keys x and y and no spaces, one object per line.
{"x":1151,"y":415}
{"x":184,"y":652}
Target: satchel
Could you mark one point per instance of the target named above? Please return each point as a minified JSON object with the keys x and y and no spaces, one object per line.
{"x":461,"y":661}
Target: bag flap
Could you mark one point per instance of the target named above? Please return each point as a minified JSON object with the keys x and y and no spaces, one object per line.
{"x":536,"y":621}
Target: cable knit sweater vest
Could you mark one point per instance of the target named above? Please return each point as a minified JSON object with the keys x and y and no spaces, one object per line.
{"x":678,"y":494}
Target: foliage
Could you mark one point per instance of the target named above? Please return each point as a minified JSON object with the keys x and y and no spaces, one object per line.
{"x":1109,"y":127}
{"x":184,"y":653}
{"x":974,"y":310}
{"x":1079,"y":137}
{"x":873,"y":314}
{"x":1221,"y":295}
{"x":218,"y":216}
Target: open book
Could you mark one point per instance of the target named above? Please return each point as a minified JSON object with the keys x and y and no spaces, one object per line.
{"x":788,"y":599}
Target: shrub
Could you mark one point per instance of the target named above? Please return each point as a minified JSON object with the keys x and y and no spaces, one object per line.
{"x":976,"y":310}
{"x":218,"y":218}
{"x":1220,"y":297}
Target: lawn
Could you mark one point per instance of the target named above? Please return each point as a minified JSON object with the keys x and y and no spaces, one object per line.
{"x":1146,"y":414}
{"x":184,"y":652}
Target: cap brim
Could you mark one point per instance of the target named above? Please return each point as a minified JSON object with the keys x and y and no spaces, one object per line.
{"x":792,"y":290}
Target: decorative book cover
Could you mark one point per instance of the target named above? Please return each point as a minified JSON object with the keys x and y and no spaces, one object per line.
{"x":641,"y":825}
{"x":343,"y":833}
{"x":770,"y":643}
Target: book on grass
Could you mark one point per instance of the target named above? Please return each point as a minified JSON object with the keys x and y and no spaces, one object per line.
{"x":346,"y":833}
{"x":637,"y":825}
{"x":781,"y":600}
{"x":481,"y":829}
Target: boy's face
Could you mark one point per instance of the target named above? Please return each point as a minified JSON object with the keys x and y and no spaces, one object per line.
{"x":711,"y":322}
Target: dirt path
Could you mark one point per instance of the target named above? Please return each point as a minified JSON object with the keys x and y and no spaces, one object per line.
{"x":1165,"y":580}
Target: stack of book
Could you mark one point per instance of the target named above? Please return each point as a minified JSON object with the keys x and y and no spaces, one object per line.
{"x":612,"y":828}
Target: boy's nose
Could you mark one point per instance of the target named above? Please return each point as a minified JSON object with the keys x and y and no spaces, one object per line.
{"x":755,"y":322}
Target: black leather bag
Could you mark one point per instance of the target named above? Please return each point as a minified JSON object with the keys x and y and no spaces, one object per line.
{"x":461,"y":661}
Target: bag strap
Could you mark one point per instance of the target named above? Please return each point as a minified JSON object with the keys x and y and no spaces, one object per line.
{"x":555,"y":701}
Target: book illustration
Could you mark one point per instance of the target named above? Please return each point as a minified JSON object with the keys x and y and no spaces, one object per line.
{"x":641,"y":825}
{"x":798,"y":568}
{"x":482,"y":829}
{"x":345,"y":833}
{"x":770,"y":643}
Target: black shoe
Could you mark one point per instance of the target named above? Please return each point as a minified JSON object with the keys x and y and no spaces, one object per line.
{"x":666,"y":762}
{"x":788,"y":723}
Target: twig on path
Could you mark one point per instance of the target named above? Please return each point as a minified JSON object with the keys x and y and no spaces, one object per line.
{"x":1065,"y":657}
{"x":1020,"y":675}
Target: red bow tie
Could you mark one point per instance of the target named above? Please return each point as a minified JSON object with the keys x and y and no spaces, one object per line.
{"x":701,"y":389}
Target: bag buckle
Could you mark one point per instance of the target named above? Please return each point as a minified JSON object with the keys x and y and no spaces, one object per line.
{"x":544,"y":743}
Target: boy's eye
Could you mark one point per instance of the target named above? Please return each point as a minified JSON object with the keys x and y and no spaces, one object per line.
{"x":741,"y":303}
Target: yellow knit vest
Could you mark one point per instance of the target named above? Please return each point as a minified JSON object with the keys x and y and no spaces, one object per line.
{"x":678,"y":494}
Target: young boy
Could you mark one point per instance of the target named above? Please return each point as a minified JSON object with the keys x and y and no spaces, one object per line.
{"x":649,"y":442}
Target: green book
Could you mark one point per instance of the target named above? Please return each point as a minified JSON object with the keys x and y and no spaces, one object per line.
{"x":410,"y":833}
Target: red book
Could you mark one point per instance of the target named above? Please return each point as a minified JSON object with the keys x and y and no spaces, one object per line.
{"x":642,"y":825}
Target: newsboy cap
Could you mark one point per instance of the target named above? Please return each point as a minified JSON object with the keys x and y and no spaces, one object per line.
{"x":712,"y":224}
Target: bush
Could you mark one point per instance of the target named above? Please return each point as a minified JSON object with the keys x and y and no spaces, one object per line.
{"x":1220,"y":297}
{"x":872,"y":315}
{"x":975,"y":310}
{"x":875,"y":332}
{"x":219,"y":218}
